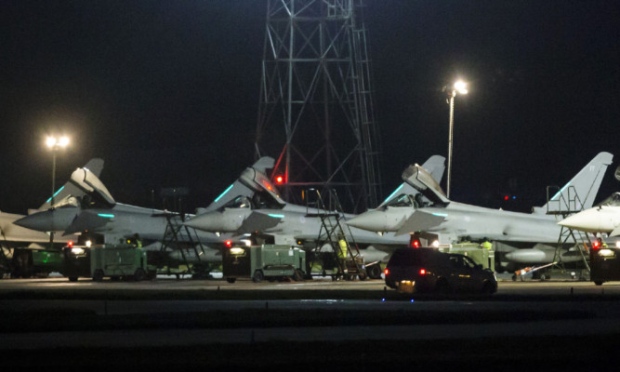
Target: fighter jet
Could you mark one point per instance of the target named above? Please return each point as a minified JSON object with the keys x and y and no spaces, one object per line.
{"x":253,"y":203}
{"x":84,"y":204}
{"x":446,"y":221}
{"x":17,"y":242}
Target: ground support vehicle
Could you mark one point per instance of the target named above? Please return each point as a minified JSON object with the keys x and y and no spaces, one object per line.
{"x":604,"y":264}
{"x":27,"y":263}
{"x":266,"y":261}
{"x":427,"y":270}
{"x":117,"y":261}
{"x":481,"y":256}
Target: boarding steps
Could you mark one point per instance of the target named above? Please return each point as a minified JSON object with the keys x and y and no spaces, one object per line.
{"x":330,"y":233}
{"x":564,"y":207}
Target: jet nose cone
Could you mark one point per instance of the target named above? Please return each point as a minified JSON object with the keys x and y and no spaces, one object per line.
{"x":50,"y":220}
{"x":588,"y":220}
{"x":39,"y":221}
{"x":370,"y":220}
{"x":213,"y":222}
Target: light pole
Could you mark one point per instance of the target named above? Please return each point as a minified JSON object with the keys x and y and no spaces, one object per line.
{"x":54,"y":144}
{"x":460,"y":87}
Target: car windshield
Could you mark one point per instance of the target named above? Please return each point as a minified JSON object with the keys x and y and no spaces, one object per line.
{"x":460,"y":261}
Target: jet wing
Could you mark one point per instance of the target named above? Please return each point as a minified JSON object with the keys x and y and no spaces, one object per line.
{"x":420,"y":221}
{"x":257,"y":221}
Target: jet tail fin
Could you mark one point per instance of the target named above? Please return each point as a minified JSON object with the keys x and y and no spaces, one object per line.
{"x":435,"y":165}
{"x":95,"y":166}
{"x":580,"y":191}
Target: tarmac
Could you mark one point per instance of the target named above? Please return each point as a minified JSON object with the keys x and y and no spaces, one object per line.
{"x":303,"y":325}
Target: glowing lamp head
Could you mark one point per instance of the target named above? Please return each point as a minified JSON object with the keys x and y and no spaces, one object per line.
{"x":228,"y":243}
{"x":460,"y":87}
{"x":57,"y":142}
{"x":279,"y":179}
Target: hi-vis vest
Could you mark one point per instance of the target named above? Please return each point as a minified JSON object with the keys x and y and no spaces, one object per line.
{"x":343,"y":248}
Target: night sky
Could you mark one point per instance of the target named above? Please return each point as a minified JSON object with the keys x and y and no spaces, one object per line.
{"x":166,"y":92}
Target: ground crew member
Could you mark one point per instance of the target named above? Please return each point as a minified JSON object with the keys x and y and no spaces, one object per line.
{"x":342,"y":253}
{"x":135,"y":240}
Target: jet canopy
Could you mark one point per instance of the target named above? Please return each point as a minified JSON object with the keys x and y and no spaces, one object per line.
{"x":88,"y":182}
{"x":419,"y":178}
{"x":612,"y":201}
{"x":261,"y":184}
{"x":405,"y":200}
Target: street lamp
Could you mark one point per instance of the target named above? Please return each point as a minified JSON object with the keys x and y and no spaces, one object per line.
{"x":460,"y":87}
{"x":55,"y":144}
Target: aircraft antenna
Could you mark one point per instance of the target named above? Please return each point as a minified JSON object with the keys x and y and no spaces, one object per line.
{"x":315,"y":114}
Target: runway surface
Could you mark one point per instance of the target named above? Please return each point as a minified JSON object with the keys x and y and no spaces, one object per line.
{"x":51,"y":314}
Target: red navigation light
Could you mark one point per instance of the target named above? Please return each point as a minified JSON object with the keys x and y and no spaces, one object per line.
{"x":70,"y":243}
{"x":422,"y":272}
{"x":386,"y":271}
{"x":596,"y":244}
{"x":279,"y":179}
{"x":415,"y":243}
{"x":228,"y":243}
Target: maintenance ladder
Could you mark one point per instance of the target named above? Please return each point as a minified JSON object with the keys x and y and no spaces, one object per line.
{"x":564,"y":207}
{"x":179,"y":238}
{"x":350,"y":264}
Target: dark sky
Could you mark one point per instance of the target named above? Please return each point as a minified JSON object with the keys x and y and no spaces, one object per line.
{"x":166,"y":92}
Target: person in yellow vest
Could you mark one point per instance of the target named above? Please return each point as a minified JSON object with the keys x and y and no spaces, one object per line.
{"x":343,"y":252}
{"x":486,"y":244}
{"x":135,"y":241}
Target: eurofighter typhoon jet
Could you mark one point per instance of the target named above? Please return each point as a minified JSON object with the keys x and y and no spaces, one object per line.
{"x":253,"y":204}
{"x":85,"y":204}
{"x":528,"y":238}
